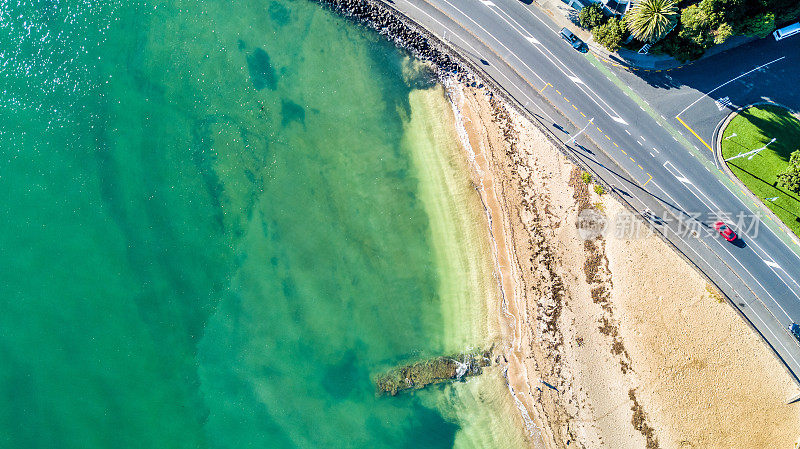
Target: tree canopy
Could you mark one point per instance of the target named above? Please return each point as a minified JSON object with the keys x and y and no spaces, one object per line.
{"x":650,"y":20}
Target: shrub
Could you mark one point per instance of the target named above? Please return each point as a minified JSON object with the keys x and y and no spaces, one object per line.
{"x":591,"y":16}
{"x":586,"y":177}
{"x":722,"y":33}
{"x":759,"y":25}
{"x":790,"y":178}
{"x":610,"y":35}
{"x":598,"y":189}
{"x":679,"y":48}
{"x":696,"y":26}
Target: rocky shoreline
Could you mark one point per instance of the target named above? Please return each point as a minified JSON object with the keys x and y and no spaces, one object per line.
{"x":415,"y":376}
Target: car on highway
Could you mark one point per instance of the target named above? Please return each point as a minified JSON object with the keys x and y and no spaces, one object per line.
{"x":726,"y":232}
{"x":794,"y":328}
{"x":573,"y":40}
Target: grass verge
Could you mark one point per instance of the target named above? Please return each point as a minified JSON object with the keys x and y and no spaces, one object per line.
{"x":751,"y":129}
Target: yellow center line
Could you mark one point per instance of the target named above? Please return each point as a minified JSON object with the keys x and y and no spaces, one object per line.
{"x":695,"y":134}
{"x":609,"y":138}
{"x":565,"y":99}
{"x":623,"y":152}
{"x":615,"y":144}
{"x":558,"y":92}
{"x":640,"y":167}
{"x":545,"y":87}
{"x":576,"y":108}
{"x":631,"y":159}
{"x":598,"y":128}
{"x":584,"y":115}
{"x":651,"y":178}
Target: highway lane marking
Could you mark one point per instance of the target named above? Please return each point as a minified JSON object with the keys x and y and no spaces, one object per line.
{"x":629,"y":133}
{"x":651,"y":154}
{"x":491,"y":50}
{"x":631,"y":159}
{"x":558,"y":91}
{"x":565,"y":99}
{"x":609,"y":138}
{"x":655,"y":149}
{"x":755,"y":279}
{"x":491,"y":35}
{"x":683,"y":179}
{"x":640,"y":167}
{"x":772,"y":264}
{"x":615,"y":144}
{"x":448,"y":29}
{"x":540,"y":20}
{"x":640,"y":143}
{"x":708,"y":94}
{"x":523,"y":32}
{"x":623,"y":152}
{"x":643,"y":139}
{"x":575,"y":107}
{"x":545,"y":87}
{"x":651,"y":178}
{"x":598,"y":128}
{"x":584,"y":115}
{"x":695,"y":134}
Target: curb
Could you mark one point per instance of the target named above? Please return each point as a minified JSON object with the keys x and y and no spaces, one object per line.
{"x":717,"y":140}
{"x":605,"y":56}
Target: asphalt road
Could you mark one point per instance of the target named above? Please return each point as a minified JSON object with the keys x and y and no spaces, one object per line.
{"x":670,"y":180}
{"x":705,"y":92}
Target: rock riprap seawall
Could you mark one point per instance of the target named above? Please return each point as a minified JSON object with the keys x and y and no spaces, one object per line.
{"x":418,"y":375}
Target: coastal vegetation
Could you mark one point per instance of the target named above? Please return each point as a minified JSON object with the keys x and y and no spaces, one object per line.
{"x":591,"y":16}
{"x":773,"y":172}
{"x":686,"y":29}
{"x":611,"y":34}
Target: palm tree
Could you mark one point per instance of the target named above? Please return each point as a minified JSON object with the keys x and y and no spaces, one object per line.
{"x":650,"y":20}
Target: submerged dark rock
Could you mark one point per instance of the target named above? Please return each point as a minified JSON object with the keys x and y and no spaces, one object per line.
{"x":262,"y":74}
{"x":292,"y":112}
{"x":418,"y":375}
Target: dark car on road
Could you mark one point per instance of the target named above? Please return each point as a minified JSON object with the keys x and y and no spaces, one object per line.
{"x":794,"y":328}
{"x":573,"y":40}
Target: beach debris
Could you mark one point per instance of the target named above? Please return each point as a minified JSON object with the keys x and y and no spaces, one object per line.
{"x":417,"y":375}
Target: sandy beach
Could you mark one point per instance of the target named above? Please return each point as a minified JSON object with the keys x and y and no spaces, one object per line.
{"x":598,"y":348}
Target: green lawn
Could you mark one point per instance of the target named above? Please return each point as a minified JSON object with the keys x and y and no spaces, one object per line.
{"x":755,"y":127}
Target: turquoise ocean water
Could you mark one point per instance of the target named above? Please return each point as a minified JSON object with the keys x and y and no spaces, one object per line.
{"x":212,"y":235}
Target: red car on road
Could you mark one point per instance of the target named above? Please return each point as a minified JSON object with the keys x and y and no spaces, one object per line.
{"x":726,"y":232}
